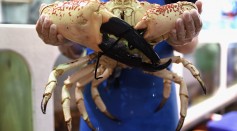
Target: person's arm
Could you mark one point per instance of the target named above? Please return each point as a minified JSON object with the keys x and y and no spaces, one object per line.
{"x":184,"y":37}
{"x":72,"y":51}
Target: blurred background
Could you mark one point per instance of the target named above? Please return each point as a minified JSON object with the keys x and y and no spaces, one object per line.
{"x":215,"y":58}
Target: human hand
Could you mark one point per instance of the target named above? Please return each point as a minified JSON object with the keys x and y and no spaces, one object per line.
{"x":48,"y":31}
{"x":187,"y":27}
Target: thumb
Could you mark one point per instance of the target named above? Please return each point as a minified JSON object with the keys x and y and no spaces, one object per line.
{"x":143,"y":25}
{"x":199,"y":6}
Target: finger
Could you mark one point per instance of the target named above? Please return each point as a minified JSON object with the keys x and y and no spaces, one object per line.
{"x":181,"y":33}
{"x":189,"y":25}
{"x":45,"y":29}
{"x":173,"y":35}
{"x":143,"y":24}
{"x":199,"y":6}
{"x":74,"y":53}
{"x":42,"y":7}
{"x":53,"y":34}
{"x":61,"y":39}
{"x":197,"y":21}
{"x":39,"y":25}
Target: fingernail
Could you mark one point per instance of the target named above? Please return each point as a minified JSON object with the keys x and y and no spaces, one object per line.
{"x":53,"y":28}
{"x":43,"y":4}
{"x":179,"y":21}
{"x":173,"y":31}
{"x":60,"y":38}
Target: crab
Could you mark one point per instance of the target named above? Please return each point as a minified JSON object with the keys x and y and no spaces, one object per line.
{"x":108,"y":29}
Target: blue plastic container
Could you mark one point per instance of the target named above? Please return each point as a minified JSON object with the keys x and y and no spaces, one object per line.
{"x":227,"y":123}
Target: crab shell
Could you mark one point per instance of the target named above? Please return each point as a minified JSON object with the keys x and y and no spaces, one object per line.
{"x":160,"y":20}
{"x":80,"y":20}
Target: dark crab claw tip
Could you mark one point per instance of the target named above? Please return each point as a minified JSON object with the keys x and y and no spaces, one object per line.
{"x":116,"y":120}
{"x":165,"y":65}
{"x":162,"y":103}
{"x":155,"y":67}
{"x":109,"y":115}
{"x":180,"y":124}
{"x":204,"y":89}
{"x":202,"y":84}
{"x":141,"y":32}
{"x":44,"y":105}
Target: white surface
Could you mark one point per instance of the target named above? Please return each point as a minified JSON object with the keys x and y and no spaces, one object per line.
{"x":24,"y":40}
{"x":0,"y":11}
{"x":224,"y":95}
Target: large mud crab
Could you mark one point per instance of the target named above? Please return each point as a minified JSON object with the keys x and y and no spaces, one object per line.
{"x":108,"y":29}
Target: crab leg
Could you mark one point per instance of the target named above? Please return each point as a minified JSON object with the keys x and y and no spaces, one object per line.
{"x":106,"y":68}
{"x":85,"y":73}
{"x":96,"y":95}
{"x":59,"y":70}
{"x":166,"y":74}
{"x":189,"y":66}
{"x":183,"y":88}
{"x":80,"y":98}
{"x":166,"y":93}
{"x":66,"y":105}
{"x":81,"y":105}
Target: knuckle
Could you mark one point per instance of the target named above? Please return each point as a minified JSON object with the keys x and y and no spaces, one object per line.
{"x":45,"y":40}
{"x":201,"y":24}
{"x":181,"y":34}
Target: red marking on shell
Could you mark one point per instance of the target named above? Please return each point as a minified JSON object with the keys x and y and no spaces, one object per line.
{"x":176,"y":7}
{"x":68,"y":5}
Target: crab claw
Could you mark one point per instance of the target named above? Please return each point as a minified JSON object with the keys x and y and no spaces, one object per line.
{"x":160,"y":20}
{"x":44,"y":103}
{"x":43,"y":106}
{"x":119,"y":51}
{"x":78,"y":21}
